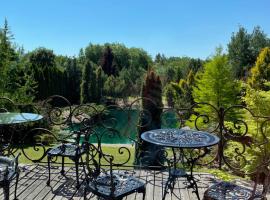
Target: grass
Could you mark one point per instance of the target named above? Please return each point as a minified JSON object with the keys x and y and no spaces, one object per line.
{"x":107,"y":149}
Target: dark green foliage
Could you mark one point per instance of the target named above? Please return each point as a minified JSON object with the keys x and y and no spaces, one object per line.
{"x":179,"y":94}
{"x":107,"y":62}
{"x":99,"y":84}
{"x":244,"y":48}
{"x":92,"y":53}
{"x":73,"y":81}
{"x":15,"y":78}
{"x":239,"y":51}
{"x":49,"y":78}
{"x":122,"y":57}
{"x":160,"y":59}
{"x":150,"y":119}
{"x":87,"y":75}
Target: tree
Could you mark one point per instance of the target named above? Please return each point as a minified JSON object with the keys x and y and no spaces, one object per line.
{"x":93,"y":52}
{"x":73,"y":80}
{"x":121,"y":58}
{"x":258,"y":41}
{"x":47,"y":76}
{"x":99,"y":83}
{"x":180,"y":94}
{"x":151,"y":119}
{"x":107,"y":62}
{"x":88,"y":83}
{"x":239,"y":52}
{"x":216,"y":85}
{"x":244,"y":49}
{"x":260,"y":73}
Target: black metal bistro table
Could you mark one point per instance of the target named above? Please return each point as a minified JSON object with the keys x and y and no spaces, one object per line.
{"x":182,"y":139}
{"x":8,"y":119}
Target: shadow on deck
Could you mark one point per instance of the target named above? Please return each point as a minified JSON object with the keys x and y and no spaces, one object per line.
{"x":32,"y":185}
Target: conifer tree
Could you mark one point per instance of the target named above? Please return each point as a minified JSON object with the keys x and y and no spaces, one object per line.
{"x":85,"y":89}
{"x":151,"y":119}
{"x":260,"y":73}
{"x":216,"y":85}
{"x":107,"y":61}
{"x":99,"y":84}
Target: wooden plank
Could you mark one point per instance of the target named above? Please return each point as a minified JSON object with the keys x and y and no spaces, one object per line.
{"x":40,"y":186}
{"x":26,"y":182}
{"x":25,"y":170}
{"x":49,"y":192}
{"x":32,"y":185}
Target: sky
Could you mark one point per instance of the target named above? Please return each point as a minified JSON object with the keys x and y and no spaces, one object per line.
{"x":191,"y":28}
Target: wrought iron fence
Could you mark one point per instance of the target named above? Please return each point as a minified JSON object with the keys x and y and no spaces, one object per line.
{"x":242,"y":133}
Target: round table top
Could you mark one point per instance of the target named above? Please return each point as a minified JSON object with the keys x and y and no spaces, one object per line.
{"x":180,"y":138}
{"x":17,"y":118}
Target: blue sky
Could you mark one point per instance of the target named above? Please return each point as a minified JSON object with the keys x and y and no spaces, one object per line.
{"x":173,"y":27}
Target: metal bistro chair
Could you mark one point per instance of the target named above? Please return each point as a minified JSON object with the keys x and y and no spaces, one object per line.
{"x":106,"y":183}
{"x":8,"y":171}
{"x":73,"y":151}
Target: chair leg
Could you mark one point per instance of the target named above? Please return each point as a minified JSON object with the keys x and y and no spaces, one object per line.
{"x":77,"y":173}
{"x":84,"y":193}
{"x":63,"y":166}
{"x":16,"y":185}
{"x":144,"y":192}
{"x":6,"y":191}
{"x":49,"y":168}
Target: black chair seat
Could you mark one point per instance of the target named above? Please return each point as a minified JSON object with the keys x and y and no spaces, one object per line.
{"x":66,"y":150}
{"x":7,"y":164}
{"x":124,"y":185}
{"x":8,"y":171}
{"x":227,"y":190}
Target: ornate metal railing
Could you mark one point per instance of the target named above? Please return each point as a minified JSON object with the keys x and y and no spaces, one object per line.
{"x":241,"y":132}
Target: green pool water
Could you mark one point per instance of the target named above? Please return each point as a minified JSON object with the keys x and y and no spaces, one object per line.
{"x":126,"y":126}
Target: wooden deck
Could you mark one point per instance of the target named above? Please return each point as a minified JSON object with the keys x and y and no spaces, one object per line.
{"x":32,"y":185}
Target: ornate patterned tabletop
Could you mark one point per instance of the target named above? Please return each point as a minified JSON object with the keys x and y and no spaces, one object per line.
{"x":180,"y":138}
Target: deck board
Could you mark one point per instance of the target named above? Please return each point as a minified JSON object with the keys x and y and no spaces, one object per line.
{"x":32,"y":185}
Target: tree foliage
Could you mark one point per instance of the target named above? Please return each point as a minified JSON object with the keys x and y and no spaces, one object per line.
{"x":215,"y":84}
{"x":260,"y":73}
{"x":244,"y":48}
{"x":151,"y":119}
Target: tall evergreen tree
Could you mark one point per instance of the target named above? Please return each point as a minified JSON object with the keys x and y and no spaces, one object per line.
{"x":216,"y":85}
{"x":85,"y":90}
{"x":46,"y":74}
{"x":239,"y":52}
{"x":151,"y":119}
{"x":73,"y":80}
{"x":99,"y":84}
{"x":88,"y":84}
{"x":107,"y":61}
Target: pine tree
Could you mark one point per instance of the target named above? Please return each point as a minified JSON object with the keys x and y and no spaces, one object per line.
{"x":85,"y":95}
{"x":216,"y":85}
{"x":99,"y":84}
{"x":151,"y":119}
{"x":107,"y":62}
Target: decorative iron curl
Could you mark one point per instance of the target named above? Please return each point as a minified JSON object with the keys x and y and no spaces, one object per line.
{"x":87,"y":116}
{"x":237,"y":161}
{"x":205,"y":117}
{"x":38,"y":146}
{"x":140,"y":101}
{"x":54,"y":113}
